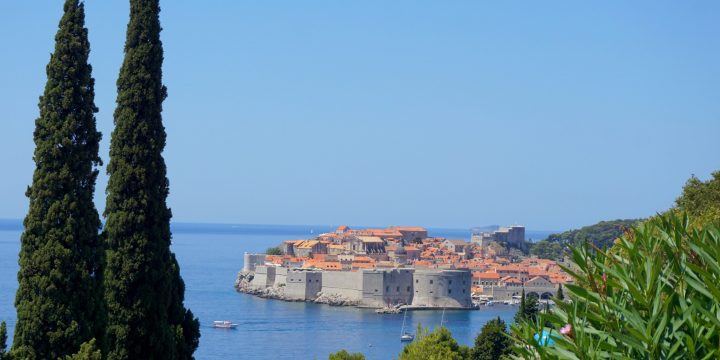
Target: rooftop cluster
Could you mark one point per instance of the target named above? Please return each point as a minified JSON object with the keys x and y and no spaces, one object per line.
{"x":348,"y":249}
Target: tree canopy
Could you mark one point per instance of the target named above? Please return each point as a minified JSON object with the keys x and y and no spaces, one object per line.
{"x":59,"y":299}
{"x":600,"y":235}
{"x":344,"y":355}
{"x":701,"y":200}
{"x":436,"y":345}
{"x":493,"y":342}
{"x":144,"y":291}
{"x":274,"y":251}
{"x":88,"y":351}
{"x":3,"y":340}
{"x":528,"y":309}
{"x":545,"y":249}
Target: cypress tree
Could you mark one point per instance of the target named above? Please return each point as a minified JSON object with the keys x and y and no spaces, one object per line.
{"x":3,"y":340}
{"x":520,"y":314}
{"x":493,"y":342}
{"x":143,"y":289}
{"x":58,"y":299}
{"x":560,"y":295}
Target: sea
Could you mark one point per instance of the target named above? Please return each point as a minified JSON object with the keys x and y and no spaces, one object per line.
{"x":210,"y":256}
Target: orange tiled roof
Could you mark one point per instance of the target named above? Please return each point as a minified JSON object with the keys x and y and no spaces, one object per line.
{"x":486,"y":275}
{"x":307,"y":244}
{"x":364,"y":265}
{"x":510,"y":280}
{"x":408,"y":228}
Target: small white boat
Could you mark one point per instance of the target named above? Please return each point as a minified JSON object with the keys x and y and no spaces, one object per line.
{"x":224,"y":324}
{"x":404,"y":335}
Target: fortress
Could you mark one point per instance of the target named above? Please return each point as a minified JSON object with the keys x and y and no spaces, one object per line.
{"x":396,"y":266}
{"x":372,"y":288}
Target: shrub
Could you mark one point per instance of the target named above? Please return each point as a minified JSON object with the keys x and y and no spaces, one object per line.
{"x":655,"y":296}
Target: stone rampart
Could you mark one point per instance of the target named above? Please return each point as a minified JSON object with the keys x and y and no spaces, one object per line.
{"x":347,"y":284}
{"x":387,"y":287}
{"x":303,"y":285}
{"x":250,"y":261}
{"x":264,"y":276}
{"x":368,"y":288}
{"x":442,"y":289}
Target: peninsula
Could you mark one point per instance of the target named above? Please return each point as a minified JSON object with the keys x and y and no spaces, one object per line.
{"x":400,"y":266}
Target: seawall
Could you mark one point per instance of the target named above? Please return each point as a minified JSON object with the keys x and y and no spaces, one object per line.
{"x":377,"y":288}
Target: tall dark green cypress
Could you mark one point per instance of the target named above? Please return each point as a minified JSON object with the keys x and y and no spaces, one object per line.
{"x":58,"y":300}
{"x":143,"y":289}
{"x":3,"y":340}
{"x":560,"y":295}
{"x":520,"y":314}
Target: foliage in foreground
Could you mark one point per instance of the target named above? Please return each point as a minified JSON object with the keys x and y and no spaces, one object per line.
{"x":144,"y":291}
{"x":59,"y":299}
{"x":344,"y":355}
{"x":88,"y":351}
{"x":657,"y":297}
{"x":528,"y":309}
{"x":493,"y":341}
{"x":3,"y":341}
{"x":436,"y":345}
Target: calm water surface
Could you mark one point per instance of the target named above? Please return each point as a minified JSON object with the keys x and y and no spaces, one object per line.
{"x":211,"y":255}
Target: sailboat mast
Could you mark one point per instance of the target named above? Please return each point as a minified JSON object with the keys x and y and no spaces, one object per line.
{"x":402,"y":331}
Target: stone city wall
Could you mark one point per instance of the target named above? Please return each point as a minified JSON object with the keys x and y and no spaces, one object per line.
{"x":370,"y":288}
{"x":441,"y":289}
{"x":387,"y":287}
{"x":303,"y":285}
{"x":250,"y":261}
{"x":347,"y":284}
{"x":264,"y":276}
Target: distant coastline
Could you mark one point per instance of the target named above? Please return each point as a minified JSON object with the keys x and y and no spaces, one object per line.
{"x":9,"y":224}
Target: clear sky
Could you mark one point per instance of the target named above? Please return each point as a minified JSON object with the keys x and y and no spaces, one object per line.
{"x":554,"y":114}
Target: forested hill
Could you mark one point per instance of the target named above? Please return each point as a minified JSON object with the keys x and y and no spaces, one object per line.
{"x":601,"y":234}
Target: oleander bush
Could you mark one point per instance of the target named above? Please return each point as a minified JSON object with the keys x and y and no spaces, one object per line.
{"x":654,"y":295}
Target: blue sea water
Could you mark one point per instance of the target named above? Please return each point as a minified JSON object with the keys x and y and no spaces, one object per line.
{"x":210,"y":257}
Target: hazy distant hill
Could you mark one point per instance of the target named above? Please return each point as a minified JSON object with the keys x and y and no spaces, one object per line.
{"x":486,"y":228}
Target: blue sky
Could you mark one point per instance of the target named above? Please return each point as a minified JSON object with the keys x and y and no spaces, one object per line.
{"x":454,"y":114}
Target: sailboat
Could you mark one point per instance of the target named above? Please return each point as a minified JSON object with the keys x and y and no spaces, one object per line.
{"x":405,"y":336}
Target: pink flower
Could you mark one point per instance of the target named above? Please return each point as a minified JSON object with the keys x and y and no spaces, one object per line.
{"x":566,"y":330}
{"x":604,"y":277}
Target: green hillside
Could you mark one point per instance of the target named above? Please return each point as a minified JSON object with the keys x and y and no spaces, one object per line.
{"x":600,"y":235}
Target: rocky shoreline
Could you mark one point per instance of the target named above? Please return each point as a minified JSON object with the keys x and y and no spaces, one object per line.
{"x":242,"y":285}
